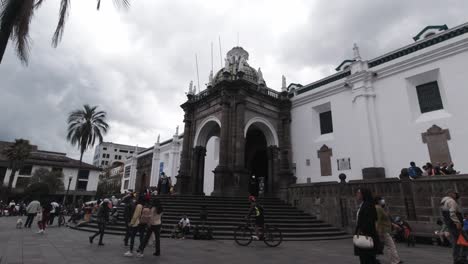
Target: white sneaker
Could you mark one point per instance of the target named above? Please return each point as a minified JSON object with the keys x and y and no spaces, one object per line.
{"x":40,"y":232}
{"x":255,"y":237}
{"x":128,"y":254}
{"x":139,"y":255}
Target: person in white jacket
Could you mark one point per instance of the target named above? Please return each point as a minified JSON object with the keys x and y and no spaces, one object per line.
{"x":32,"y":209}
{"x":451,"y":213}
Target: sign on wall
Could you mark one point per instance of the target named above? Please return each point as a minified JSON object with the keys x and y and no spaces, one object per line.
{"x":344,"y":164}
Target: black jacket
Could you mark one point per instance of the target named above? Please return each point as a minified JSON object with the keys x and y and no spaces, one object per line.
{"x":128,"y":210}
{"x":103,"y":213}
{"x":366,"y":220}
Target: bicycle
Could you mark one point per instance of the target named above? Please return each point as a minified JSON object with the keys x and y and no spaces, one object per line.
{"x":272,"y":236}
{"x":61,"y":218}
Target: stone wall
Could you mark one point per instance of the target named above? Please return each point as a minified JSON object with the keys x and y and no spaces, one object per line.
{"x":416,"y":201}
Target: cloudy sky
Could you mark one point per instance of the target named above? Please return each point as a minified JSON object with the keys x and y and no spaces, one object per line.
{"x":136,"y":64}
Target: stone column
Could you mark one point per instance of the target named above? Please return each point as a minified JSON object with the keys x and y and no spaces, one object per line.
{"x":285,"y":175}
{"x":201,"y":154}
{"x":183,"y":179}
{"x":240,"y":173}
{"x":198,"y":169}
{"x":221,"y":172}
{"x":272,"y":153}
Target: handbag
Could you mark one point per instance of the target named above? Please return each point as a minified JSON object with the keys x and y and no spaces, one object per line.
{"x":461,"y":241}
{"x":363,"y":242}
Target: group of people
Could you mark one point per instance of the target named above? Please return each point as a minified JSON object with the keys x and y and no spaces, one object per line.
{"x":142,"y":216}
{"x":12,"y":208}
{"x":375,"y":222}
{"x":429,"y":169}
{"x":44,"y":213}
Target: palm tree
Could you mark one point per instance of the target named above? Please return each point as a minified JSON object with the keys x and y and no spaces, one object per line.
{"x":15,"y":19}
{"x":17,"y":155}
{"x":85,"y":126}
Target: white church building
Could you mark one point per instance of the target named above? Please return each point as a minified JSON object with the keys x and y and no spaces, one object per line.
{"x":369,"y":120}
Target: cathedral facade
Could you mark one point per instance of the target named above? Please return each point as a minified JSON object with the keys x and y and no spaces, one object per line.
{"x":368,"y":120}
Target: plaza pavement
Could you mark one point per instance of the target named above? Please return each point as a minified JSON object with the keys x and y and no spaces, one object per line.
{"x":63,"y":245}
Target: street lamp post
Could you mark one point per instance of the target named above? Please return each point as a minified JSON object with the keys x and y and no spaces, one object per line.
{"x":68,"y":189}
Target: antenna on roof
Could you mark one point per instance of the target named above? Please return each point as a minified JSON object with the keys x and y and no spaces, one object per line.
{"x":212,"y":56}
{"x":198,"y":77}
{"x":220,"y":53}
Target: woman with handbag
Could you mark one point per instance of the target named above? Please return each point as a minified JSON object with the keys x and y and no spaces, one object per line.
{"x":366,"y":240}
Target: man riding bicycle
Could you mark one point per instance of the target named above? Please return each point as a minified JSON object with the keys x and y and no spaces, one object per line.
{"x":259,"y":217}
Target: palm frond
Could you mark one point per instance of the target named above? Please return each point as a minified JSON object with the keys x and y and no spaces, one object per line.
{"x":21,"y":30}
{"x":64,"y":6}
{"x":10,"y":11}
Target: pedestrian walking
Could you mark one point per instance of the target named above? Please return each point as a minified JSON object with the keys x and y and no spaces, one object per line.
{"x":102,"y":219}
{"x":366,"y":228}
{"x":154,"y":228}
{"x":452,"y":217}
{"x":140,"y":219}
{"x":127,"y":215}
{"x":42,"y":223}
{"x":384,"y":228}
{"x":32,"y":209}
{"x":54,"y":212}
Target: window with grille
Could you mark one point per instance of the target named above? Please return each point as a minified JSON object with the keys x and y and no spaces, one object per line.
{"x":326,"y":125}
{"x":127,"y":172}
{"x":429,"y":97}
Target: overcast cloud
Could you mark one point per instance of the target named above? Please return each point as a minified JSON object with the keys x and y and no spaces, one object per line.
{"x":137,"y":64}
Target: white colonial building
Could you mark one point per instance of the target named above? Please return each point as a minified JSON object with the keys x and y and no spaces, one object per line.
{"x":149,"y":163}
{"x":377,"y":115}
{"x":84,"y":177}
{"x":369,"y":120}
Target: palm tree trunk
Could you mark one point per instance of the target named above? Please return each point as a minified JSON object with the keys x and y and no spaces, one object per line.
{"x":77,"y":175}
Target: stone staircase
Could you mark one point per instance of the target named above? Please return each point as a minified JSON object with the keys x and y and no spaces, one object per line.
{"x":226,"y":213}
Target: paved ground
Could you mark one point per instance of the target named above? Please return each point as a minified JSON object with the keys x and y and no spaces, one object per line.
{"x":63,"y":245}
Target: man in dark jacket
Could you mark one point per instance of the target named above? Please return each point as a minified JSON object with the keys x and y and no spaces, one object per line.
{"x":128,"y":213}
{"x":102,"y":219}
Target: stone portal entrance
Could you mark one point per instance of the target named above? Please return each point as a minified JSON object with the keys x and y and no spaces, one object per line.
{"x":252,"y":122}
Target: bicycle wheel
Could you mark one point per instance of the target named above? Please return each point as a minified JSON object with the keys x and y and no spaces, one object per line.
{"x":272,"y":236}
{"x":61,"y":220}
{"x":243,"y":235}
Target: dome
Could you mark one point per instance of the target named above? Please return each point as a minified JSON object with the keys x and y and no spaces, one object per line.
{"x":237,"y":67}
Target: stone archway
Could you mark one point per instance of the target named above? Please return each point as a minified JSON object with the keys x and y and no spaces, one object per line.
{"x":210,"y":127}
{"x":261,"y":152}
{"x":236,"y":100}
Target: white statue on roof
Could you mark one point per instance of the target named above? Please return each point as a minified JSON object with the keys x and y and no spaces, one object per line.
{"x":357,"y":56}
{"x":210,"y":78}
{"x":190,"y":91}
{"x":260,"y":77}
